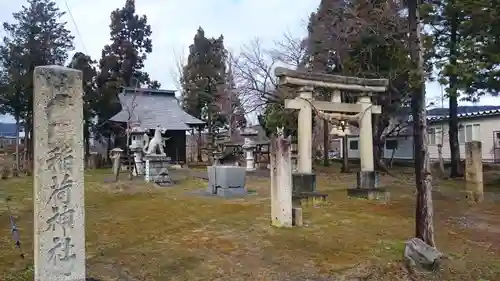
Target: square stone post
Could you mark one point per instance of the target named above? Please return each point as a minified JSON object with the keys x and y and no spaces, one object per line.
{"x":366,"y":135}
{"x":474,"y":171}
{"x":281,"y":182}
{"x":305,"y":132}
{"x":59,"y":221}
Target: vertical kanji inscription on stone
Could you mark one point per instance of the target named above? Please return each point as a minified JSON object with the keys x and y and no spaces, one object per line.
{"x":59,"y":241}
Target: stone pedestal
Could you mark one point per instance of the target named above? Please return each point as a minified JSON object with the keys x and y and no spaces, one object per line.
{"x":156,"y":169}
{"x":303,"y":182}
{"x":367,"y":179}
{"x":138,"y":169}
{"x":474,"y":171}
{"x":369,"y":193}
{"x":249,"y":157}
{"x":295,"y":167}
{"x":92,"y":162}
{"x":368,"y":187}
{"x":138,"y":165}
{"x":249,"y":147}
{"x":226,"y":181}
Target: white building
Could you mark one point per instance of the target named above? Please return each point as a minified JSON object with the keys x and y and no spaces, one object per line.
{"x":481,"y":126}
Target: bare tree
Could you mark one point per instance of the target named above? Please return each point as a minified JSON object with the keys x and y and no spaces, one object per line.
{"x":253,"y":74}
{"x":254,"y":67}
{"x":231,"y":101}
{"x":133,"y":120}
{"x":290,"y":51}
{"x":176,"y":71}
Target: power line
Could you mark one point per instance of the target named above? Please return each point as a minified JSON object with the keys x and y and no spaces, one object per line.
{"x":76,"y":26}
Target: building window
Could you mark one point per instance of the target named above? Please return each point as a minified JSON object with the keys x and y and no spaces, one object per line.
{"x":467,"y":133}
{"x":461,"y":134}
{"x":391,"y":144}
{"x":353,"y":145}
{"x":431,"y":136}
{"x":476,"y":132}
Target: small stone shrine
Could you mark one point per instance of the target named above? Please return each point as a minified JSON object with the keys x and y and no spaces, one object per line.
{"x":156,"y":161}
{"x":225,"y":180}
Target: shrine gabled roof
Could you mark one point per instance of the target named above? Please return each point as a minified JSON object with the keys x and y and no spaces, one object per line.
{"x":151,"y":109}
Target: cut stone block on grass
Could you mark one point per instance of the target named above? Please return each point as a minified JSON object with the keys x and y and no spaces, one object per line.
{"x":309,"y":198}
{"x":226,"y":181}
{"x":369,"y":193}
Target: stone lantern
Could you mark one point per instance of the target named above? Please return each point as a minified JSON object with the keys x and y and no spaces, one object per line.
{"x":249,"y":147}
{"x":136,"y":146}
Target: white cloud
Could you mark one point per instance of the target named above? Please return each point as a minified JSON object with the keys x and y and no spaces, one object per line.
{"x":174,"y":23}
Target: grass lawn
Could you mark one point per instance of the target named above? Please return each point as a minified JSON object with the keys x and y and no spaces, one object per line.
{"x":137,"y":231}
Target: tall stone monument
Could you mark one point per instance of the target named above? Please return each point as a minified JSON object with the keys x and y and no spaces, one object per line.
{"x":281,"y":181}
{"x":474,"y":171}
{"x":59,"y":221}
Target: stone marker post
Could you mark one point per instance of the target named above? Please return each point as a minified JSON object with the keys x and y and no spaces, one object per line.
{"x":281,"y":182}
{"x":116,"y":155}
{"x":59,"y":221}
{"x":366,"y":135}
{"x":474,"y":171}
{"x":304,"y":132}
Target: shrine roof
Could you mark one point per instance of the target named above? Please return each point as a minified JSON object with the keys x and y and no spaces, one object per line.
{"x":151,"y":109}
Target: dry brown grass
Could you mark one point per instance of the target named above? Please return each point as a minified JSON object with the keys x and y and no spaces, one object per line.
{"x":138,"y":232}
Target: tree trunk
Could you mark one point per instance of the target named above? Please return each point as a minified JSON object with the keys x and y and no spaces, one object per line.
{"x":453,"y":98}
{"x":378,"y":146}
{"x":326,"y":143}
{"x":18,"y":158}
{"x":424,"y":228}
{"x":441,"y":160}
{"x":86,"y":136}
{"x":345,"y":155}
{"x":29,"y":137}
{"x":198,"y":147}
{"x":108,"y":148}
{"x":391,"y":161}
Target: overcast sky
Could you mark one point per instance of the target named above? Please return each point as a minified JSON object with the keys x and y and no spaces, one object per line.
{"x":174,"y":23}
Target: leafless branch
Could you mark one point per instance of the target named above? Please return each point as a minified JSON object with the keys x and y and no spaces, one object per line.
{"x":176,"y":71}
{"x":254,"y":67}
{"x":290,"y":50}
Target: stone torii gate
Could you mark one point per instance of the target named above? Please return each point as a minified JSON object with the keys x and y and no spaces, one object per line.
{"x":305,"y":82}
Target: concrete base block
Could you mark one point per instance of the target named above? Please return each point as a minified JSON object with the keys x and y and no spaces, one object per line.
{"x":369,"y":193}
{"x":297,"y":219}
{"x":473,"y":197}
{"x":303,"y":182}
{"x":232,"y":192}
{"x":226,"y":181}
{"x":367,"y":180}
{"x":308,"y":198}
